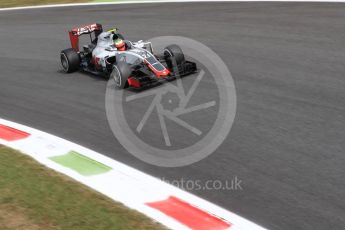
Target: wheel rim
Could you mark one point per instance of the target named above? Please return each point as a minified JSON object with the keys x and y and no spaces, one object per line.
{"x":116,"y":76}
{"x":168,"y":53}
{"x":64,"y":62}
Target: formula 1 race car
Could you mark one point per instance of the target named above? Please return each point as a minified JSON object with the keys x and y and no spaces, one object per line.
{"x":130,"y":64}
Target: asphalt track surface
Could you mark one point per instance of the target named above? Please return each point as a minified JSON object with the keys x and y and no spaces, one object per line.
{"x":287,"y":60}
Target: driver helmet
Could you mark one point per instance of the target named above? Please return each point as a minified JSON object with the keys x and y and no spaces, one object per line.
{"x":120,"y":44}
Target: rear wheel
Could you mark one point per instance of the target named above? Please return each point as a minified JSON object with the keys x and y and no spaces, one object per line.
{"x":120,"y":74}
{"x":173,"y":52}
{"x":70,"y":60}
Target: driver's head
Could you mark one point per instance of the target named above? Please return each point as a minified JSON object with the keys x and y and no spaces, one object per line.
{"x":120,"y":44}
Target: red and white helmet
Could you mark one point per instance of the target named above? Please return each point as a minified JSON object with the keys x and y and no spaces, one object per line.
{"x":120,"y":44}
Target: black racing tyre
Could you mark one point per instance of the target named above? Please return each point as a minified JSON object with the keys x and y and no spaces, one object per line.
{"x":121,"y":72}
{"x":173,"y":51}
{"x":70,"y":60}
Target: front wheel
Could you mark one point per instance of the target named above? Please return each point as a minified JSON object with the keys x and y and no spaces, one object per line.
{"x":173,"y":52}
{"x":70,"y":60}
{"x":121,"y":72}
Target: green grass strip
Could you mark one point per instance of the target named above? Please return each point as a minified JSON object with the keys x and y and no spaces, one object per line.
{"x":15,"y":3}
{"x":105,"y":1}
{"x":35,"y":197}
{"x":80,"y":163}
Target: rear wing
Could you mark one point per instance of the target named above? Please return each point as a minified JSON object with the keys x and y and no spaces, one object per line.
{"x":88,"y":29}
